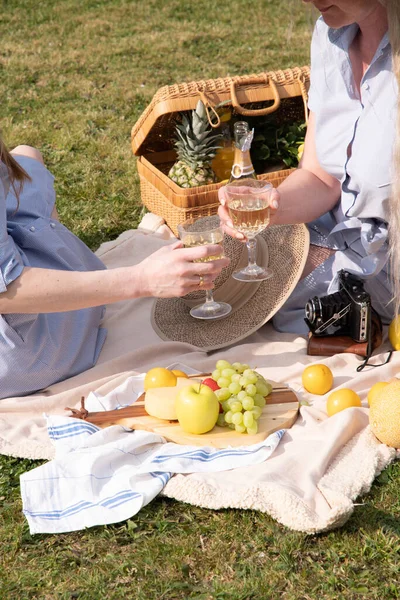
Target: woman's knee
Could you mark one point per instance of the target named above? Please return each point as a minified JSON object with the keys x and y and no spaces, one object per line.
{"x":29,"y":151}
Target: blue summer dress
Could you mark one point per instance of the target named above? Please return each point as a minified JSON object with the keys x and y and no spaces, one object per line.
{"x":357,"y":227}
{"x":37,"y":350}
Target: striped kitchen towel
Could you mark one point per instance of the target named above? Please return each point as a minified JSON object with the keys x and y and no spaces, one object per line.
{"x":102,"y":476}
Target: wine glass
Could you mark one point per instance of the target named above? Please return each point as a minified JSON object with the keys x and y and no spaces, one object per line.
{"x":199,"y":232}
{"x":248,"y":208}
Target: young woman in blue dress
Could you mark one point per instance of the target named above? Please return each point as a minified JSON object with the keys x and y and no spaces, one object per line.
{"x":53,"y":288}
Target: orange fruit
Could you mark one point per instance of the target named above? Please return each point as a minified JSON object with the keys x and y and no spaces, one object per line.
{"x":317,"y":379}
{"x":159,"y":377}
{"x":384,"y":414}
{"x":341,"y":399}
{"x":374,"y":391}
{"x":179,"y":373}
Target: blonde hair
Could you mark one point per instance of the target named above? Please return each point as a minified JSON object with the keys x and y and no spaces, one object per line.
{"x":17,"y":174}
{"x":393,"y":9}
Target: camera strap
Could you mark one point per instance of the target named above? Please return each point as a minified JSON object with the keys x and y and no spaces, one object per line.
{"x":365,"y":363}
{"x":374,"y":341}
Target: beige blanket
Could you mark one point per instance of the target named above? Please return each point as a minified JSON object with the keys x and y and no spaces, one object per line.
{"x":321,"y":466}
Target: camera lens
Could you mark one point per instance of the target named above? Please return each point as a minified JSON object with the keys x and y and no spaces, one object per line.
{"x":319,"y":311}
{"x":312,"y":310}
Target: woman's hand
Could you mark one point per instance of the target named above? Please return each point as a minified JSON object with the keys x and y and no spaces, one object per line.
{"x":170,"y":272}
{"x":226,"y":221}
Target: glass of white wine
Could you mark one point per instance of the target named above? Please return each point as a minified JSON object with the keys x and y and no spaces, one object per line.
{"x":248,"y":207}
{"x":199,"y":232}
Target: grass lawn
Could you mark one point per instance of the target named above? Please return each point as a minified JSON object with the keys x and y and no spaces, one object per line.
{"x":74,"y":77}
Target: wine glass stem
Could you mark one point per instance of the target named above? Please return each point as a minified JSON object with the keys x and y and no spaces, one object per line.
{"x":209,"y":296}
{"x":251,"y":249}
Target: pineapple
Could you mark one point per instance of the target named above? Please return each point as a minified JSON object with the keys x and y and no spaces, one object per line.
{"x":196,"y":147}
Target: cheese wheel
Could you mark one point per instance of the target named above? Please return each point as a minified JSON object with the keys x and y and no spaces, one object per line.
{"x":160,"y":402}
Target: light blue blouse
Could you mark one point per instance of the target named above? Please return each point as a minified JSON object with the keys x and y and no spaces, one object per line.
{"x":357,"y":227}
{"x":37,"y":350}
{"x":367,"y":122}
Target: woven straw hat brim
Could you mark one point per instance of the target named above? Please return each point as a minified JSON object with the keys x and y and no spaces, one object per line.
{"x":287,"y":254}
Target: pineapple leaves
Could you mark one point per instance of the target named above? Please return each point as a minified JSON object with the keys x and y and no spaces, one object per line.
{"x":196,"y":145}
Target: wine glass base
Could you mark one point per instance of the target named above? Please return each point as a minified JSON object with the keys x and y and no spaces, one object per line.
{"x":253,"y":274}
{"x":211,"y":310}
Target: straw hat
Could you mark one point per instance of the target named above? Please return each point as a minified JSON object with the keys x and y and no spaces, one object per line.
{"x":283,"y":248}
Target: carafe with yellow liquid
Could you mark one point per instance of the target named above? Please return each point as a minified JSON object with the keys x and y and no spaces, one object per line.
{"x":242,"y":167}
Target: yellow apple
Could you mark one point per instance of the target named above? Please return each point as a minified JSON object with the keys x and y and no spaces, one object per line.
{"x":197,"y":408}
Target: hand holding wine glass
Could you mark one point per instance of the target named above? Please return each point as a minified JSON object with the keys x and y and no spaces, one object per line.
{"x":200,"y":232}
{"x":248,"y":205}
{"x":226,"y":220}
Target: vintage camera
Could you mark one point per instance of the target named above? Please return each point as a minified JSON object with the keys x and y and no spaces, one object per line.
{"x":346,"y":312}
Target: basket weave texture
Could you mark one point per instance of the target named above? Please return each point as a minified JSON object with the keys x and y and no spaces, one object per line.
{"x":153,"y":136}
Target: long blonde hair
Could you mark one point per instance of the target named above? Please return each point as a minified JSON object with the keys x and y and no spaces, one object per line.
{"x":16,"y":173}
{"x":393,"y":9}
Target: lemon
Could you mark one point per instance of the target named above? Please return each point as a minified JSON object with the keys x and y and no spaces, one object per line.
{"x":384,"y":414}
{"x":341,"y":399}
{"x":394,"y":333}
{"x":159,"y":377}
{"x":317,"y":379}
{"x":179,"y":373}
{"x":374,"y":391}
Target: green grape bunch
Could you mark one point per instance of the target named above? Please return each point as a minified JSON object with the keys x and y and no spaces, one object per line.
{"x":242,"y":395}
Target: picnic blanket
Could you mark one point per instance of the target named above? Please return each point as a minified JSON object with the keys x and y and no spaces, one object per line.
{"x":321,"y":465}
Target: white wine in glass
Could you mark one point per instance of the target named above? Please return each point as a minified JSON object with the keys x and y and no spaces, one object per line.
{"x":248,"y":207}
{"x":200,"y":232}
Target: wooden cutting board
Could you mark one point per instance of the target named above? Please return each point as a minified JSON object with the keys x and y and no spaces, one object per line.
{"x":280,"y":412}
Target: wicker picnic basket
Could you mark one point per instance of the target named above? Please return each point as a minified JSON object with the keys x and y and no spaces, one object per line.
{"x":153,"y":136}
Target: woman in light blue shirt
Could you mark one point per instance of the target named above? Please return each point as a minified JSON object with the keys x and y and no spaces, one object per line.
{"x":53,"y":288}
{"x":343,"y":183}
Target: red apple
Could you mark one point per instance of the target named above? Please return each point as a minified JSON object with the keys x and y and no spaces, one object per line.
{"x":197,"y":408}
{"x":212,"y":384}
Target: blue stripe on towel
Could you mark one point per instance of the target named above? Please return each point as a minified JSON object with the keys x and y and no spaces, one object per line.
{"x":75,"y":425}
{"x":119,"y":498}
{"x":53,"y":515}
{"x":57,"y":432}
{"x":163,"y":477}
{"x":201,"y":455}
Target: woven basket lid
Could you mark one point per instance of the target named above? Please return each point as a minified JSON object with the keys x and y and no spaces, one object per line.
{"x":283,"y":248}
{"x":155,"y":128}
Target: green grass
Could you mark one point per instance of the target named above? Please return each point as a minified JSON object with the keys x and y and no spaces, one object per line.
{"x":74,"y":77}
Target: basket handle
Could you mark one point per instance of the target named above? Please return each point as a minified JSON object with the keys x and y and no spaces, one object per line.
{"x":210,"y":108}
{"x":251,"y":81}
{"x":214,"y":118}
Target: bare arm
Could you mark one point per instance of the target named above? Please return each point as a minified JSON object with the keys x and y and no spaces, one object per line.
{"x":308,"y":192}
{"x":168,"y":272}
